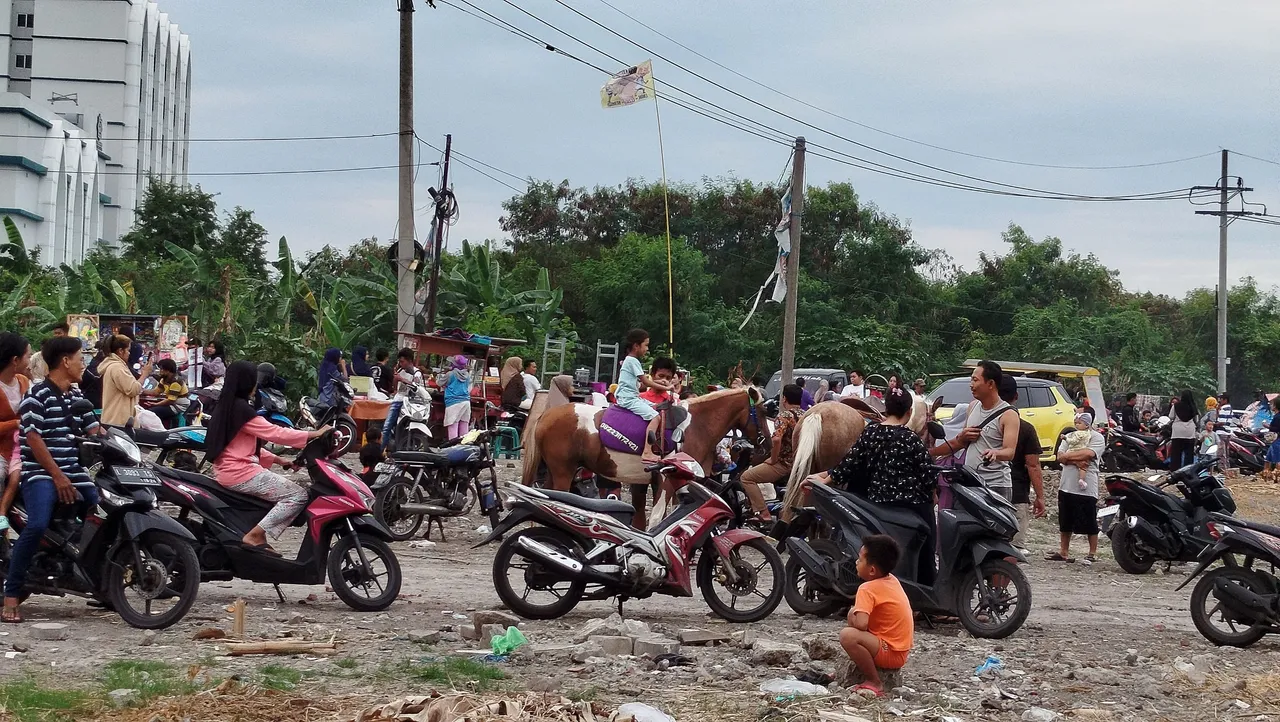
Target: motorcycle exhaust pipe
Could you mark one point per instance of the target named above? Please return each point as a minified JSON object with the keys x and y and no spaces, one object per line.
{"x":809,"y":559}
{"x":564,"y":562}
{"x":428,"y":509}
{"x":1147,"y":533}
{"x":1244,"y":603}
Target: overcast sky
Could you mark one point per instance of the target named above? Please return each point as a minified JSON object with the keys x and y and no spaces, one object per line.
{"x":1083,"y":83}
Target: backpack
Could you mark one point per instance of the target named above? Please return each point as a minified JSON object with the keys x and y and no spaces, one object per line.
{"x":945,"y":500}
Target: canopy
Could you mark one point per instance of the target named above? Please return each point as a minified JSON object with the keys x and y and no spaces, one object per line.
{"x":1022,"y":367}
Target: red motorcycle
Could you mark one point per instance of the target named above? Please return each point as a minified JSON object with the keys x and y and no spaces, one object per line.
{"x":581,"y":548}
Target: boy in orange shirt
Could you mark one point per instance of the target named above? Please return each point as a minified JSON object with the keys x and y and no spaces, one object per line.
{"x":663,"y":370}
{"x":881,"y":625}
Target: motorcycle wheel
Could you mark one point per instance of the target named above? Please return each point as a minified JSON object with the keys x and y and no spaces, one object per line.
{"x":162,"y":579}
{"x":1202,"y":594}
{"x":386,"y":509}
{"x":1127,"y":555}
{"x":354,"y":575}
{"x":805,"y":598}
{"x":344,"y":435}
{"x":711,"y":577}
{"x":537,"y":575}
{"x":495,"y":508}
{"x":986,"y":605}
{"x":415,"y":441}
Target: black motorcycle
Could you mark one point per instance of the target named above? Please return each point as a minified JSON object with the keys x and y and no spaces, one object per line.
{"x":413,"y":486}
{"x":315,"y":415}
{"x":1152,"y":525}
{"x":1237,"y":603}
{"x":126,"y":554}
{"x":977,"y":579}
{"x":1129,"y":451}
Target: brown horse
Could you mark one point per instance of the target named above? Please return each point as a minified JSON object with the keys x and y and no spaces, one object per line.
{"x":824,"y":436}
{"x":567,"y":438}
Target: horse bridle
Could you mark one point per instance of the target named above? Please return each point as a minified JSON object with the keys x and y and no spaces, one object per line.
{"x":753,"y":414}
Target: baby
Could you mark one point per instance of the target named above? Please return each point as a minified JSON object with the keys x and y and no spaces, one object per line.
{"x":1079,"y":439}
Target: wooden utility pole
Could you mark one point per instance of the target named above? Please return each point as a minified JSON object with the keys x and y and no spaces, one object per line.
{"x":444,"y":208}
{"x":793,"y":265}
{"x":404,"y":226}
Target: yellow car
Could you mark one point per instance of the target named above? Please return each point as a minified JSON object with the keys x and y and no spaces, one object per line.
{"x":1042,"y":402}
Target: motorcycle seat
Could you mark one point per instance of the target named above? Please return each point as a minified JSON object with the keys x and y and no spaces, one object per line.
{"x":427,"y":458}
{"x":1257,"y":526}
{"x":1147,"y":438}
{"x":232,"y":498}
{"x":612,"y":507}
{"x":895,"y":516}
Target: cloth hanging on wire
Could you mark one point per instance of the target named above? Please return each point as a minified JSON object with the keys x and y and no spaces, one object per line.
{"x":778,"y":277}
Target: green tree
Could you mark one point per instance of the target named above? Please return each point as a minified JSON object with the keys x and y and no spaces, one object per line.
{"x":184,"y":216}
{"x":243,"y":241}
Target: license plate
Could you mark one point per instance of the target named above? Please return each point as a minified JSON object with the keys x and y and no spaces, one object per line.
{"x":384,"y":467}
{"x":136,"y":476}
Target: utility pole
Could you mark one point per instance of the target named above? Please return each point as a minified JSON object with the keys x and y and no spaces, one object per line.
{"x":793,"y":265}
{"x":444,"y":208}
{"x":1225,"y":194}
{"x":404,"y":226}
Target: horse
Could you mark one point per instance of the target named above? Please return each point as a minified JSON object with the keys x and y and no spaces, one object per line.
{"x":567,"y":438}
{"x":825,"y":433}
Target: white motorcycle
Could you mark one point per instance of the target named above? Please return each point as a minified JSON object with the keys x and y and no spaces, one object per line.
{"x":412,"y":431}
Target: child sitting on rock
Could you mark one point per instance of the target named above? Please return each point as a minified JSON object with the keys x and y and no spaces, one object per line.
{"x":881,"y":627}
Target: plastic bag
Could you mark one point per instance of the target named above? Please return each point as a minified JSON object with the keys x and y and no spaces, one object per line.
{"x":641,"y":712}
{"x":508,"y":641}
{"x":990,"y":664}
{"x":791,"y":688}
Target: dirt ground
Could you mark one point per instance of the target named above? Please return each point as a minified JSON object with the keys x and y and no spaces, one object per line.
{"x":1099,"y":644}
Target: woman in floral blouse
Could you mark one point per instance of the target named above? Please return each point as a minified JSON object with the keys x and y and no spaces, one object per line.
{"x":889,"y":465}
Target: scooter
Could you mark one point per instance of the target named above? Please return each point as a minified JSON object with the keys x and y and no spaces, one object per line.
{"x":976,"y":581}
{"x":573,"y":542}
{"x":128,"y":555}
{"x":315,"y":415}
{"x":1150,"y":525}
{"x":412,"y":431}
{"x":1238,"y":603}
{"x":1129,"y":451}
{"x":412,"y":486}
{"x":343,"y":540}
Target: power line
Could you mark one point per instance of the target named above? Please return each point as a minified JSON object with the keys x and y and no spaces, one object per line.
{"x":481,"y":172}
{"x":886,"y":132}
{"x":282,"y":139}
{"x":1254,"y":157}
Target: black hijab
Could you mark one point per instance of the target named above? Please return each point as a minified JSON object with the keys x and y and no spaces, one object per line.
{"x":233,"y":410}
{"x":1186,"y":409}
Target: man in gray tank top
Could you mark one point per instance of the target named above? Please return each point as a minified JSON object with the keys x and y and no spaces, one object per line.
{"x":991,"y":431}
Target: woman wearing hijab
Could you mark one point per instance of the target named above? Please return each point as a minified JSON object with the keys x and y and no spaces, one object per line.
{"x":561,"y":392}
{"x":457,"y":398}
{"x":234,"y":442}
{"x":1183,"y":431}
{"x":512,"y":383}
{"x":332,"y":370}
{"x":215,"y":363}
{"x":360,"y":361}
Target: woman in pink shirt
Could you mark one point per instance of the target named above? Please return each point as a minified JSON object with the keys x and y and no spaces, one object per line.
{"x":234,"y":444}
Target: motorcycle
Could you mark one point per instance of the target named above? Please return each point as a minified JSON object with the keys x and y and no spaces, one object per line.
{"x":976,"y":579}
{"x":315,"y":415}
{"x":343,"y":540}
{"x":1245,"y":453}
{"x":1240,"y":596}
{"x":1129,"y":451}
{"x":414,"y":485}
{"x":1151,"y":525}
{"x":274,"y":407}
{"x":575,"y":542}
{"x":412,"y":431}
{"x":127,"y":555}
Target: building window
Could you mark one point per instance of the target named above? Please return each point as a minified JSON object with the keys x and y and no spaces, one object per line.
{"x":24,"y":61}
{"x":26,"y":20}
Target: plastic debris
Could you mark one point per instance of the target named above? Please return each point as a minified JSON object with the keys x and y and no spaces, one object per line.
{"x":991,"y":664}
{"x":507,"y":642}
{"x":483,"y":529}
{"x":641,"y":712}
{"x":790,"y":688}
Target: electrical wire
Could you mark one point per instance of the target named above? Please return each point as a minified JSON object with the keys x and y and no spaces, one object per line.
{"x":889,"y":133}
{"x":459,"y":159}
{"x":284,"y":139}
{"x":1254,"y":157}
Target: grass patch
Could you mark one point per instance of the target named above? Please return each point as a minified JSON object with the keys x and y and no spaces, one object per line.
{"x":279,"y":677}
{"x":346,"y":663}
{"x":29,"y":701}
{"x":457,"y":672}
{"x":149,"y":677}
{"x":586,"y":694}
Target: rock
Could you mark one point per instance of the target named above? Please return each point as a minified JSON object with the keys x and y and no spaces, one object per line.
{"x":20,"y":647}
{"x":905,"y":693}
{"x":124,"y":697}
{"x":1189,"y":670}
{"x":613,"y":646}
{"x":49,"y":631}
{"x":744,"y":638}
{"x":1040,"y":714}
{"x":297,"y":618}
{"x":612,"y":626}
{"x":701,"y":636}
{"x":209,"y":633}
{"x":847,"y":675}
{"x":148,"y":638}
{"x":653,"y":646}
{"x":544,"y":685}
{"x":1093,"y":675}
{"x":1131,"y":657}
{"x":586,"y":651}
{"x":468,"y":632}
{"x":489,"y":631}
{"x":777,"y":654}
{"x":821,"y":646}
{"x":423,"y":636}
{"x":506,"y":619}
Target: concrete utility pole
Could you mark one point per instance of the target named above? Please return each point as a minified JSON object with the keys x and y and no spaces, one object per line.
{"x":793,"y":265}
{"x":444,"y":208}
{"x":405,"y":231}
{"x":1225,"y":194}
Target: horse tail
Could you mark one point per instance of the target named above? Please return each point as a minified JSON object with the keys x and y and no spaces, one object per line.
{"x":532,"y":454}
{"x":806,"y":450}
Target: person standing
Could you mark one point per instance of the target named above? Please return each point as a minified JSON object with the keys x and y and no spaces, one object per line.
{"x":457,"y":398}
{"x":856,"y":388}
{"x":381,"y":373}
{"x":194,"y":365}
{"x":1129,"y":414}
{"x":1271,"y":469}
{"x":15,"y":356}
{"x":1078,"y":494}
{"x":806,"y":398}
{"x":1025,"y":467}
{"x":990,"y":433}
{"x":359,"y":361}
{"x":511,"y":383}
{"x":531,"y":384}
{"x":782,"y":452}
{"x":1183,"y":430}
{"x":120,"y":390}
{"x":1226,"y":414}
{"x":917,"y":389}
{"x":51,"y":470}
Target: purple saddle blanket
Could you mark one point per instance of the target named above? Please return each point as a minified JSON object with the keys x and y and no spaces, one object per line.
{"x":621,"y":430}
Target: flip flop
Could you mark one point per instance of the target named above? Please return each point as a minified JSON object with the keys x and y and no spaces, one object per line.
{"x":11,"y":615}
{"x":870,"y":688}
{"x":262,"y":548}
{"x":1056,"y":557}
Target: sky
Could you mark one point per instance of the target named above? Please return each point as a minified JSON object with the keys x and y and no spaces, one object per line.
{"x":1082,"y":83}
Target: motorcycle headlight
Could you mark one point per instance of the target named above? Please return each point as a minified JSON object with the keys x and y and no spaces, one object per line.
{"x":113,"y":498}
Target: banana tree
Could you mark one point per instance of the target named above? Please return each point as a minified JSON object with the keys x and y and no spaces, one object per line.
{"x":15,"y":255}
{"x":292,"y":286}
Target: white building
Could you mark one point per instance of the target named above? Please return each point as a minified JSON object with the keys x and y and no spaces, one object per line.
{"x":107,"y":107}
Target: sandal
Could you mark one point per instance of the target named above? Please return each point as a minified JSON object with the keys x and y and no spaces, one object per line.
{"x":870,"y":688}
{"x":262,"y":548}
{"x":11,"y":615}
{"x":1056,"y":557}
{"x":1088,"y":561}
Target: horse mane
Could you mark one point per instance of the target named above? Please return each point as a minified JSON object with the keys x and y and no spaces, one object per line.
{"x":716,"y":395}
